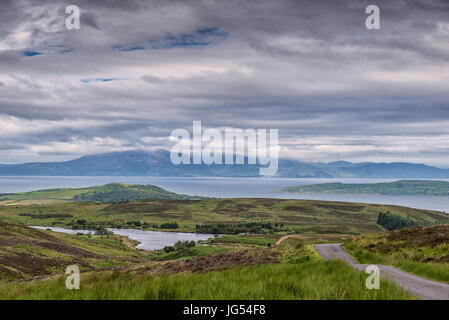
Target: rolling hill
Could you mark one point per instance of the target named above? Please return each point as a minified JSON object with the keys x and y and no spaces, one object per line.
{"x":113,"y":192}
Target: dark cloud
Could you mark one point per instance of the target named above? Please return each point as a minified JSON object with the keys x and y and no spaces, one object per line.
{"x":139,"y":69}
{"x":89,"y":19}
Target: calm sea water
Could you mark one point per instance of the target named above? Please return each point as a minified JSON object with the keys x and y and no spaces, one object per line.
{"x":227,"y":188}
{"x":149,"y":240}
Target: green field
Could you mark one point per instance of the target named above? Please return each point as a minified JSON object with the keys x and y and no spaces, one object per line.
{"x":402,"y":187}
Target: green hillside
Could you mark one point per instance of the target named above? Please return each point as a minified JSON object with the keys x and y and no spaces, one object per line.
{"x":402,"y":187}
{"x":109,"y":193}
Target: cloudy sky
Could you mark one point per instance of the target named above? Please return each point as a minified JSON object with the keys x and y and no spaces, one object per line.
{"x":136,"y":70}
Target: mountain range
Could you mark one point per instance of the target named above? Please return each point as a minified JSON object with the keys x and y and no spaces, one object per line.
{"x":157,"y":163}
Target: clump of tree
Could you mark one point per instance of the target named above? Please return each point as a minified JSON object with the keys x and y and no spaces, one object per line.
{"x":392,"y":221}
{"x":184,"y":244}
{"x":133,"y":224}
{"x":83,"y":224}
{"x":180,"y":245}
{"x":169,"y":225}
{"x":103,"y":231}
{"x":235,"y":228}
{"x":169,"y":249}
{"x":179,"y":249}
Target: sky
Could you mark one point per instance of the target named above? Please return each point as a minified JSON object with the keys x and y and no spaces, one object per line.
{"x":136,"y":70}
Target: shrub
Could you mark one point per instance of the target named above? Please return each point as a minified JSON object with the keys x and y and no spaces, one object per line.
{"x":169,"y":249}
{"x":102,"y":231}
{"x":169,"y":225}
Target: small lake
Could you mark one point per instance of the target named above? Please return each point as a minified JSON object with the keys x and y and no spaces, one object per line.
{"x":227,"y":188}
{"x":149,"y":240}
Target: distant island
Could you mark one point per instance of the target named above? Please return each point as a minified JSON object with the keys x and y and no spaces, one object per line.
{"x":397,"y":188}
{"x":109,"y":193}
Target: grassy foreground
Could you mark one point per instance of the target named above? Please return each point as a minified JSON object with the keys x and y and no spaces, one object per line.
{"x":308,"y":280}
{"x":33,"y":262}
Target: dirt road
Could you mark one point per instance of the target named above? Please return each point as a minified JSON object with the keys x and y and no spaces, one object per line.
{"x":420,"y":287}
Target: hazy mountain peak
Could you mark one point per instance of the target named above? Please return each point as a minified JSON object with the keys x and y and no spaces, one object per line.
{"x":157,"y":163}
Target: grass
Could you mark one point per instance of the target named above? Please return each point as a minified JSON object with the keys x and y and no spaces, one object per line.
{"x":295,"y":251}
{"x":186,"y":253}
{"x":418,"y":250}
{"x":259,"y":240}
{"x":430,"y":271}
{"x":332,"y":280}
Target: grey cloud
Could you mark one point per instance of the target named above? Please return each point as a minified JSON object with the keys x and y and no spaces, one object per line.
{"x":308,"y":68}
{"x":89,"y":19}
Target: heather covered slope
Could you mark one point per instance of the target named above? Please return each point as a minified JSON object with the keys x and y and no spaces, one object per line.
{"x":26,"y":252}
{"x":219,"y":215}
{"x":420,"y":250}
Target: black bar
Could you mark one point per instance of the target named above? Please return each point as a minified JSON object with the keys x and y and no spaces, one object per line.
{"x":232,"y":309}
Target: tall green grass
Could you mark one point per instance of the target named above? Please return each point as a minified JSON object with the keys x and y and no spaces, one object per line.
{"x":309,"y":280}
{"x":364,"y":256}
{"x":186,"y":253}
{"x":411,"y":260}
{"x":439,"y":272}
